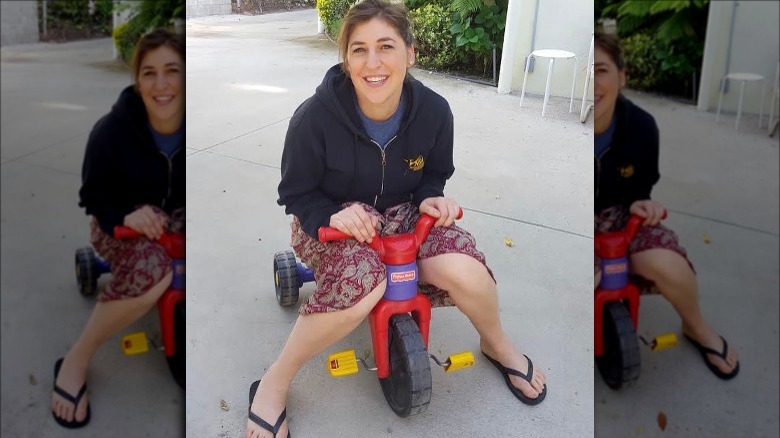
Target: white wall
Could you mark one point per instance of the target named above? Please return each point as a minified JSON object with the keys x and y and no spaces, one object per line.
{"x":201,"y":8}
{"x":19,"y":22}
{"x":560,"y":24}
{"x":755,"y":48}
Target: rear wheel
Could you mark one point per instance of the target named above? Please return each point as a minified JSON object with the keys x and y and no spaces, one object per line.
{"x":286,"y":278}
{"x":408,"y":389}
{"x":86,"y":271}
{"x":620,"y":362}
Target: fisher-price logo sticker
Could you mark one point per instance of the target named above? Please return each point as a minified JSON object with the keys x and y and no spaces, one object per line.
{"x":616,"y":268}
{"x":399,"y":277}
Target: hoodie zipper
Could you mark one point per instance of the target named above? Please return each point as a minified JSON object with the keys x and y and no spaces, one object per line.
{"x":598,"y":168}
{"x":170,"y":174}
{"x":384,"y":161}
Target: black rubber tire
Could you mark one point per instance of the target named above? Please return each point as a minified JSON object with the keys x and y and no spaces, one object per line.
{"x":620,"y":363}
{"x":86,"y":271}
{"x":408,"y":389}
{"x":177,"y":362}
{"x":286,"y":278}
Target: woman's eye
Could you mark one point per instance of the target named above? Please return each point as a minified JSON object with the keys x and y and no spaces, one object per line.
{"x":359,"y":50}
{"x":387,"y":47}
{"x":148,"y":74}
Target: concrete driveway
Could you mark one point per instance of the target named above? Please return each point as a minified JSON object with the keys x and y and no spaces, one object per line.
{"x":721,"y":188}
{"x":518,"y":176}
{"x":52,"y":95}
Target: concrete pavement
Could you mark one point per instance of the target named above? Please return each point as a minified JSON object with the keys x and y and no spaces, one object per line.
{"x":517,"y":175}
{"x":720,"y":186}
{"x":52,"y":94}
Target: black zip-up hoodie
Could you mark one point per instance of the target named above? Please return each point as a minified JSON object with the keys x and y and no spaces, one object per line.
{"x":628,"y":169}
{"x":123,"y":168}
{"x":329,"y":159}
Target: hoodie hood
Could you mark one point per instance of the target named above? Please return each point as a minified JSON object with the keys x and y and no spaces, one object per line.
{"x":337,"y":93}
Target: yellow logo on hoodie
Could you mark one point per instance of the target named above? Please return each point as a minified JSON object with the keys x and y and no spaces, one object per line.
{"x":627,"y":172}
{"x":416,"y":163}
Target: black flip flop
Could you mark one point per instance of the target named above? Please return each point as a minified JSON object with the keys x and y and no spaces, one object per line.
{"x":723,"y":354}
{"x":259,"y":421}
{"x":75,"y":400}
{"x":519,"y":394}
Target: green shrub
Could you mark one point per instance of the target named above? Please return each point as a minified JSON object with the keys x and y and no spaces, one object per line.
{"x":121,"y":42}
{"x":435,"y":45}
{"x":642,"y":67}
{"x":332,"y":13}
{"x":476,"y":32}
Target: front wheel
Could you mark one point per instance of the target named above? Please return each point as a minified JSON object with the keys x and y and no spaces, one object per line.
{"x":177,"y":363}
{"x":620,"y":362}
{"x":408,"y":389}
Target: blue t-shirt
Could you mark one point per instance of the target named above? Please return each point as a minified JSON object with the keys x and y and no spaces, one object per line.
{"x":382,"y":132}
{"x":603,"y":140}
{"x":167,"y":143}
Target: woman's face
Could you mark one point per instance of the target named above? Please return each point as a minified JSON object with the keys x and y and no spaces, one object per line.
{"x":607,"y":84}
{"x":377,"y":59}
{"x":160,"y":83}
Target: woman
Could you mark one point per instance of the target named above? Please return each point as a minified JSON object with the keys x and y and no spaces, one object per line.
{"x":133,"y":175}
{"x":369,"y":152}
{"x":626,"y":168}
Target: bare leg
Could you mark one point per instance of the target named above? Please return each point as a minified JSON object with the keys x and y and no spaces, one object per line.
{"x":474,"y":292}
{"x":107,"y":319}
{"x":677,"y":283}
{"x":311,"y":335}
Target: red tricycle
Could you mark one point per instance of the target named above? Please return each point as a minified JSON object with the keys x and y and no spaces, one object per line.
{"x":399,"y":322}
{"x":170,"y":306}
{"x":616,"y":346}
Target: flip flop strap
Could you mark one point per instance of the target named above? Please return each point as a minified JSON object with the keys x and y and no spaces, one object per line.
{"x":75,"y":400}
{"x":525,"y":377}
{"x":265,"y":425}
{"x":723,"y":354}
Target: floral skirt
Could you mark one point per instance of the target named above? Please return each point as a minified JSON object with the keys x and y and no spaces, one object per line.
{"x":346,"y":271}
{"x":137,"y":264}
{"x":648,"y":237}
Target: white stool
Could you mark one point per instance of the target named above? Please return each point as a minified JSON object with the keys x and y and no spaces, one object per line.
{"x":743,"y":77}
{"x":585,"y":109}
{"x":553,"y":54}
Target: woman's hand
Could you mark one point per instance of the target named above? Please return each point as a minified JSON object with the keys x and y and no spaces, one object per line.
{"x":651,"y":210}
{"x":444,"y":209}
{"x":145,"y":220}
{"x":354,"y":221}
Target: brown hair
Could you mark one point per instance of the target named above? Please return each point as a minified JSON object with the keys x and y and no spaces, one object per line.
{"x":152,"y":41}
{"x":394,"y":14}
{"x":611,"y":45}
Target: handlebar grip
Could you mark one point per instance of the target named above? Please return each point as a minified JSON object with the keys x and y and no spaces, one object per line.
{"x":635,"y":221}
{"x":328,"y":234}
{"x":123,"y":232}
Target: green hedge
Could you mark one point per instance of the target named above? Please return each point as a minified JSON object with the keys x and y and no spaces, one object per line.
{"x":435,"y":43}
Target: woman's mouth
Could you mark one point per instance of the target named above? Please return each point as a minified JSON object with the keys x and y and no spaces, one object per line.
{"x":376,"y":80}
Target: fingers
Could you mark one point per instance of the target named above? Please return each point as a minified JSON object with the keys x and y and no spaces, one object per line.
{"x":145,"y":220}
{"x":651,"y":210}
{"x":356,"y":222}
{"x":443,"y":208}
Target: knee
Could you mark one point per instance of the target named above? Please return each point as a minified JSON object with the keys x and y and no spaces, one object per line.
{"x":661,"y":265}
{"x":456,"y":272}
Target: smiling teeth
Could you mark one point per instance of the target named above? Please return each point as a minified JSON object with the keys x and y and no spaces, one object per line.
{"x":163,"y":99}
{"x":376,"y":78}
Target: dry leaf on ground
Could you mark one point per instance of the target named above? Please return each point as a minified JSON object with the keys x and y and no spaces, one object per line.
{"x":508,"y":242}
{"x":706,"y":238}
{"x":33,"y":380}
{"x":223,"y":404}
{"x":662,"y":420}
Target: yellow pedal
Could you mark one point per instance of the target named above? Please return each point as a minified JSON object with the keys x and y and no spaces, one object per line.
{"x":664,"y":341}
{"x":342,"y":363}
{"x":459,"y":361}
{"x":135,"y":343}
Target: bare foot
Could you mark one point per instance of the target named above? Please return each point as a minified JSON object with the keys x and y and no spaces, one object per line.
{"x":72,"y":376}
{"x":510,"y":357}
{"x":268,"y":404}
{"x":708,"y":338}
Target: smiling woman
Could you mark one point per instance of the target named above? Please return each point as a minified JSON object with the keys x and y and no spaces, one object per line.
{"x":368,"y":154}
{"x":133,"y":175}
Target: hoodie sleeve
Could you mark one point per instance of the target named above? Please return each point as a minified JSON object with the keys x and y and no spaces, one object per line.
{"x":438,"y":166}
{"x":303,"y":165}
{"x":101,"y":192}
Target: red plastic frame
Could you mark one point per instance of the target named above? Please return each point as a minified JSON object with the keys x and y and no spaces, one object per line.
{"x":173,"y":243}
